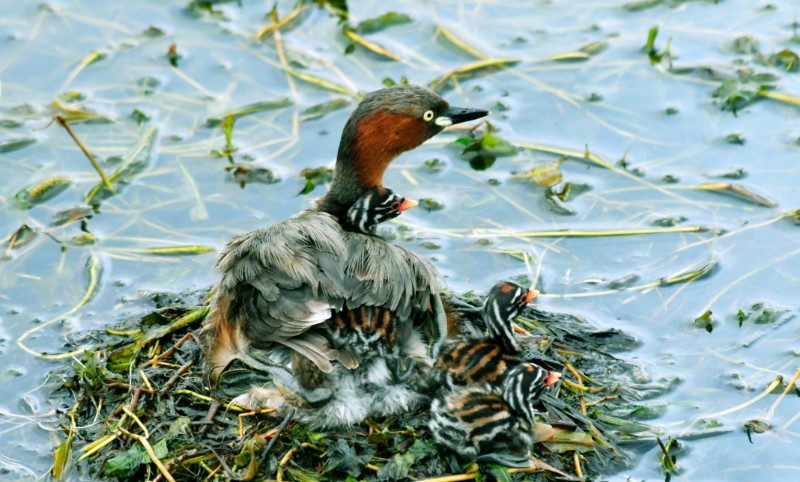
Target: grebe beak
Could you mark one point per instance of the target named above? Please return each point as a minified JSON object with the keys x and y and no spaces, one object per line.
{"x":551,"y":379}
{"x":457,"y":115}
{"x":532,"y":293}
{"x":407,"y":204}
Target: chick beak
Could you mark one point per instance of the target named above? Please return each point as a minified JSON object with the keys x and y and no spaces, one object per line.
{"x":407,"y":204}
{"x":457,"y":115}
{"x":532,"y":293}
{"x":551,"y":379}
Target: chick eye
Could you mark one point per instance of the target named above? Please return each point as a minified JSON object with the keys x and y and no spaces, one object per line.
{"x":395,"y":206}
{"x":427,"y":116}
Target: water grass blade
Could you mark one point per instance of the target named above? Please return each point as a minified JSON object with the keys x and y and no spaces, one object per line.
{"x":388,"y":19}
{"x":63,"y":453}
{"x":16,"y":144}
{"x":278,"y":24}
{"x":250,"y":109}
{"x":691,"y":275}
{"x":749,"y":227}
{"x":452,"y":39}
{"x":187,"y":319}
{"x":789,"y":387}
{"x":92,"y":57}
{"x":587,"y":233}
{"x":94,"y":270}
{"x":788,"y":99}
{"x":105,"y":182}
{"x":738,"y":191}
{"x":473,"y":70}
{"x":372,"y":47}
{"x":75,"y":115}
{"x":171,"y":250}
{"x":584,"y":53}
{"x":570,"y":57}
{"x":135,"y":162}
{"x":320,"y":82}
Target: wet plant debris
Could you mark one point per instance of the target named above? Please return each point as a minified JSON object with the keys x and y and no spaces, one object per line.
{"x":141,"y":408}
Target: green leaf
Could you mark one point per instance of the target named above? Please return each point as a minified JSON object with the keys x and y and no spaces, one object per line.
{"x":397,"y":468}
{"x":389,"y":19}
{"x":315,"y":177}
{"x":650,"y":47}
{"x":139,"y":116}
{"x":430,"y":204}
{"x":22,"y":236}
{"x":498,"y":472}
{"x":127,"y":463}
{"x":547,"y":175}
{"x":787,"y":59}
{"x":62,"y":456}
{"x":760,"y":314}
{"x":336,"y":7}
{"x":497,"y":146}
{"x":422,"y":449}
{"x":756,"y":426}
{"x":434,"y":165}
{"x":482,"y":151}
{"x":738,"y":173}
{"x":148,"y":84}
{"x":341,"y":455}
{"x":641,"y":5}
{"x":15,"y":144}
{"x":705,"y":321}
{"x":72,"y":96}
{"x":670,"y":221}
{"x":244,"y":174}
{"x":41,"y":191}
{"x":745,"y":45}
{"x":735,"y":138}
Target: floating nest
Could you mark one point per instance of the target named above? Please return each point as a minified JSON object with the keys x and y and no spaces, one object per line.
{"x":139,"y":406}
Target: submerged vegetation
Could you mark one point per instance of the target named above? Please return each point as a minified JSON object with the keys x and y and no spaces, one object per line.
{"x":140,"y":406}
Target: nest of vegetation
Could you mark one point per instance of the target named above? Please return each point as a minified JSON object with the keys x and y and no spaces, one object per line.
{"x":139,"y":407}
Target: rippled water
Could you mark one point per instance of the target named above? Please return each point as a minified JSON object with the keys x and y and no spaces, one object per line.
{"x":636,"y":226}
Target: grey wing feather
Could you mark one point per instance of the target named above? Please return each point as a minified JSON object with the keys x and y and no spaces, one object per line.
{"x":378,"y":273}
{"x":285,"y":278}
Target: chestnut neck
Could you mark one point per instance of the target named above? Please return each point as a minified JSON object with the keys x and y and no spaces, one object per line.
{"x":369,"y":144}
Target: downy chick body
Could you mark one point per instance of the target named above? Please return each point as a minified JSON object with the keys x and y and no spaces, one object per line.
{"x":490,"y":423}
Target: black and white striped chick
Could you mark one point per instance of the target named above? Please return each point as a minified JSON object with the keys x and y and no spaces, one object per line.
{"x":374,"y":207}
{"x":389,"y":350}
{"x":491,"y":425}
{"x":487,"y":359}
{"x":370,"y":330}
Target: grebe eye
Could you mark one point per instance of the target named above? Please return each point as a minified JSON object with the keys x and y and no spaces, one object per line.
{"x":428,"y":116}
{"x":395,"y":206}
